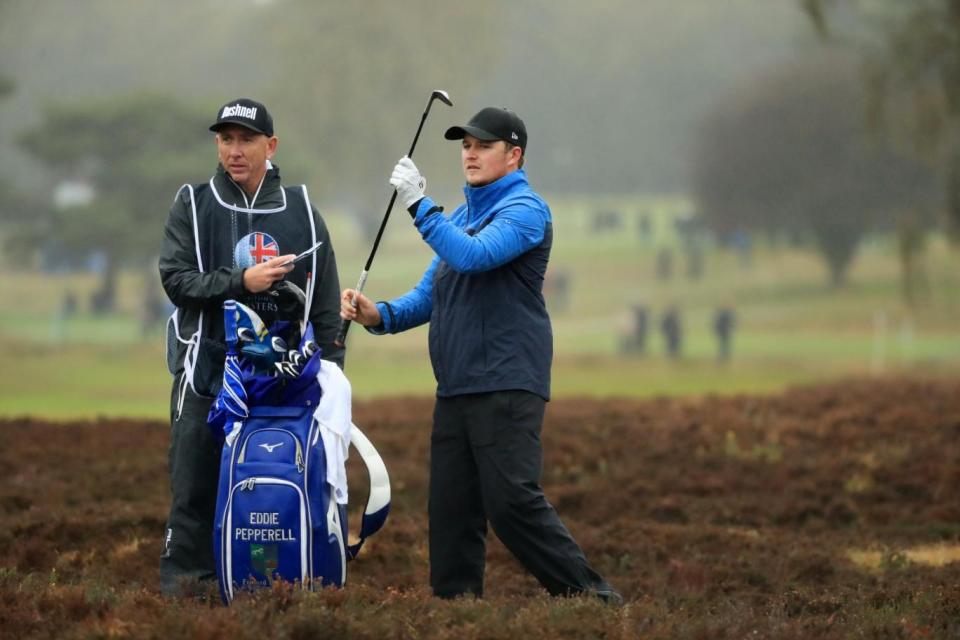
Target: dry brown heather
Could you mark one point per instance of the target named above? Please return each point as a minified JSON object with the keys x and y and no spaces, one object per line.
{"x":716,"y":517}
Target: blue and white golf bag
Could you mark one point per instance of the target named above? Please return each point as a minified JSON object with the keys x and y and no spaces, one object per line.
{"x":286,"y":424}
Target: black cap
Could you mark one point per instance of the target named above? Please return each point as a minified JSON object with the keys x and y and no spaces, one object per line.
{"x":246,"y":113}
{"x":492,"y":123}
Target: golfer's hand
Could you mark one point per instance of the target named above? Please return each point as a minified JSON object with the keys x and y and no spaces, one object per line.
{"x":408,"y":182}
{"x":366,"y":312}
{"x":261,"y":277}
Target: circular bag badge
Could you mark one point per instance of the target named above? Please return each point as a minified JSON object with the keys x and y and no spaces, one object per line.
{"x":255,"y":248}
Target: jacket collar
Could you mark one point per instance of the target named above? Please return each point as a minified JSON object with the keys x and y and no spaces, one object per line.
{"x":479,"y":199}
{"x":271,"y":198}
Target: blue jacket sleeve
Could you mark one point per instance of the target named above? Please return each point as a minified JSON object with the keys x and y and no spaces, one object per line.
{"x":410,"y":310}
{"x":515,"y":229}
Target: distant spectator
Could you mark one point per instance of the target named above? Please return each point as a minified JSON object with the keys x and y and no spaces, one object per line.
{"x":635,"y":341}
{"x":102,"y":300}
{"x":69,"y":308}
{"x":644,"y":226}
{"x":672,"y":330}
{"x":724,"y":321}
{"x":66,"y":310}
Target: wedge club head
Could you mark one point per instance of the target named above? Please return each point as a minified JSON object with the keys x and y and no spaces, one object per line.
{"x":309,"y":348}
{"x":442,"y":96}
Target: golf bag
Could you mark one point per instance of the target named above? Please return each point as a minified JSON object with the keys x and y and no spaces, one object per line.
{"x":285,"y":420}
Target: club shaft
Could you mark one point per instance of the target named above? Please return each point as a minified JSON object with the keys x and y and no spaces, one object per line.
{"x":345,"y":324}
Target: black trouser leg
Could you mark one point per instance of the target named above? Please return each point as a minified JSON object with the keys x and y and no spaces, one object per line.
{"x":458,"y":527}
{"x":508,"y":452}
{"x":194,"y":459}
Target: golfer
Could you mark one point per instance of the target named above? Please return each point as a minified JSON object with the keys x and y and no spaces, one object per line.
{"x":229,"y":238}
{"x":491,"y":347}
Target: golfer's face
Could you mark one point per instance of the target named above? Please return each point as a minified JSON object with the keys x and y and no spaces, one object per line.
{"x":244,"y":154}
{"x":485,"y":161}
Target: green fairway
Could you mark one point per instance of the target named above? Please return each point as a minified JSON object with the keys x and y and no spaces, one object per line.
{"x":792,"y":328}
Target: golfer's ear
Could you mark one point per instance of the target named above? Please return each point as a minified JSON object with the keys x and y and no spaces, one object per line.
{"x":515,"y":154}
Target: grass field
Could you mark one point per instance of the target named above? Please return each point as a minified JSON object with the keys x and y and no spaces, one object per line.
{"x":792,"y":328}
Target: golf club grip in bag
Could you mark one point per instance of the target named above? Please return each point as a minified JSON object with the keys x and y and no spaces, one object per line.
{"x":342,"y":333}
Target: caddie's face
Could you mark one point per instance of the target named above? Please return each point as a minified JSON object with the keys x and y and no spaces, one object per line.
{"x":486,"y":161}
{"x":244,"y":154}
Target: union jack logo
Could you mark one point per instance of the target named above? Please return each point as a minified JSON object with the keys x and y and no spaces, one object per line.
{"x":255,"y":248}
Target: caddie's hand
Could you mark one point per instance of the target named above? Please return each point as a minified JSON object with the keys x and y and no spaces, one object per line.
{"x":408,"y":182}
{"x":366,"y":312}
{"x":261,"y":276}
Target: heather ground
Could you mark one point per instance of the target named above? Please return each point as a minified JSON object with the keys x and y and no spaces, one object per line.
{"x":821,"y":512}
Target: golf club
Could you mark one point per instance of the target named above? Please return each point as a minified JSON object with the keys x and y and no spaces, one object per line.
{"x":443,"y":97}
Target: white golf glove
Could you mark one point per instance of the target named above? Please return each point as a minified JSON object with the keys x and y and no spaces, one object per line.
{"x":408,"y":182}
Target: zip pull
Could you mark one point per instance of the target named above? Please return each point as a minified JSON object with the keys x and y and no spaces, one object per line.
{"x":248,"y":484}
{"x":300,"y":465}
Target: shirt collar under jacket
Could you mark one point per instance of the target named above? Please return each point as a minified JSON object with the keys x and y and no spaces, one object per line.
{"x":479,"y":199}
{"x":271,"y":199}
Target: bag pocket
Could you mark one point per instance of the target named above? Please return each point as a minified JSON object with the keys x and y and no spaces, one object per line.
{"x":273,"y":446}
{"x":265,"y":534}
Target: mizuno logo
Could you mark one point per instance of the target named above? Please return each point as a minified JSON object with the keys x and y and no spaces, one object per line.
{"x":270,"y":447}
{"x":239,"y":111}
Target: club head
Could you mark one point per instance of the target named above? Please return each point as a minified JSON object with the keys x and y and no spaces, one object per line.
{"x":247,"y":317}
{"x":290,"y":299}
{"x":442,"y":96}
{"x":309,"y":348}
{"x":279,"y":344}
{"x":246,"y":334}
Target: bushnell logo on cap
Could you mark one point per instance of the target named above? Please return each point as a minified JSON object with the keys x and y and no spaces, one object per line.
{"x":239,"y":111}
{"x":246,"y":113}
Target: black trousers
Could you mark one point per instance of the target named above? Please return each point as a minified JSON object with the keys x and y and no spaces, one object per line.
{"x":194,"y":459}
{"x":485,"y":465}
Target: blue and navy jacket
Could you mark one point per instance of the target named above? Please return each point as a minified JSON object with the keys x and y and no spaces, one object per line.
{"x":483,"y":291}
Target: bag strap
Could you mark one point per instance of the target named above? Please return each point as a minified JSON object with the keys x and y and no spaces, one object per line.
{"x":378,"y":502}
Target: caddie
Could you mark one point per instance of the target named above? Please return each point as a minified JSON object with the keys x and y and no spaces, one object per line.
{"x":229,"y":238}
{"x":491,"y":348}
